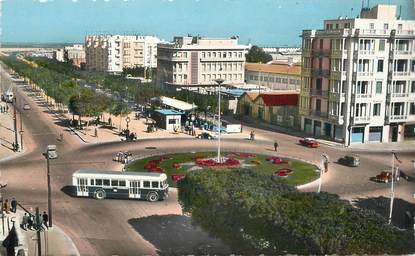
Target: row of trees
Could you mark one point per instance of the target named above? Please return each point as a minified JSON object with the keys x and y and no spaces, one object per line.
{"x":258,"y":214}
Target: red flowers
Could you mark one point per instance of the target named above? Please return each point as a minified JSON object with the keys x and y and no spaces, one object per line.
{"x":229,"y":163}
{"x":276,"y":160}
{"x":177,"y":177}
{"x":283,"y":172}
{"x":154,"y":165}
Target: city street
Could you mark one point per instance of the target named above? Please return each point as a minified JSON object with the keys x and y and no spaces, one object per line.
{"x":104,"y":227}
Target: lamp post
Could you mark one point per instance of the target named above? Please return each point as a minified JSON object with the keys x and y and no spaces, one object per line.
{"x":16,"y":143}
{"x":219,"y":82}
{"x":51,"y":149}
{"x":127,"y":120}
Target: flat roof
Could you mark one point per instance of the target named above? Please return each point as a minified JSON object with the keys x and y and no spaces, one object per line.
{"x":169,"y":112}
{"x":177,"y":104}
{"x":277,"y":68}
{"x":119,"y":174}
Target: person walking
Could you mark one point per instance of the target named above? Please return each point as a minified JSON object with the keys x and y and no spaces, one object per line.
{"x":45,"y":219}
{"x":6,"y":206}
{"x":276,"y":146}
{"x":13,"y":203}
{"x":24,"y":223}
{"x":30,"y":222}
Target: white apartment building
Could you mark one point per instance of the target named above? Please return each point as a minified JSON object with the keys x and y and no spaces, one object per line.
{"x":198,"y":62}
{"x":358,"y":78}
{"x":75,"y":53}
{"x":112,"y":53}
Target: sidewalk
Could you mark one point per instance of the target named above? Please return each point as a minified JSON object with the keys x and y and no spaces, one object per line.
{"x":6,"y":132}
{"x":53,"y":240}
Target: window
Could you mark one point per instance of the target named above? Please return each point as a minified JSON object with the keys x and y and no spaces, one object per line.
{"x":386,"y":26}
{"x":319,"y":82}
{"x":318,"y":105}
{"x":376,"y":109}
{"x":412,"y":108}
{"x":371,"y":25}
{"x":106,"y":182}
{"x":378,"y":87}
{"x":172,"y":121}
{"x":154,"y":184}
{"x":321,"y":43}
{"x":346,"y":25}
{"x":382,"y":45}
{"x":121,"y":183}
{"x":114,"y":183}
{"x":413,"y":87}
{"x":146,"y":184}
{"x":98,"y":182}
{"x":380,"y":65}
{"x":92,"y":182}
{"x":400,"y":27}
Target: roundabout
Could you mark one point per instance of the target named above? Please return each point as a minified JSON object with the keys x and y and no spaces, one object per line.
{"x":176,"y":166}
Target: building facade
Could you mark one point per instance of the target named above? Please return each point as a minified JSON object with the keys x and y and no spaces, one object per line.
{"x":112,"y":53}
{"x":197,"y":62}
{"x":279,"y":76}
{"x":358,"y":78}
{"x":75,"y":54}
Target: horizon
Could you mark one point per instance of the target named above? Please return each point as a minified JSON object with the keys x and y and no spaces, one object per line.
{"x":268,"y":26}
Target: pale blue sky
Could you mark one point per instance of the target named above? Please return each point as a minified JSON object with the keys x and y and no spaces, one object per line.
{"x":262,"y":22}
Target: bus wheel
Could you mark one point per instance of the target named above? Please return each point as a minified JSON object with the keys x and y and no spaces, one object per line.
{"x":152,"y":197}
{"x":100,"y":194}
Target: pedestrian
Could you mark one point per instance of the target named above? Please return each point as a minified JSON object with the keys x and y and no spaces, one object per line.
{"x":96,"y":132}
{"x":275,"y":146}
{"x":252,"y":135}
{"x":13,"y":203}
{"x":30,"y":221}
{"x":24,"y":223}
{"x":6,"y":206}
{"x":61,"y":137}
{"x":110,"y":121}
{"x":45,"y":219}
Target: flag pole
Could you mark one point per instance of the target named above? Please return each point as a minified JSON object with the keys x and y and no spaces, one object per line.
{"x":392,"y":189}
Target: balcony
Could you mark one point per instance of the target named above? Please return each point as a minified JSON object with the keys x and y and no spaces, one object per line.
{"x":372,"y":32}
{"x":362,"y":96}
{"x":398,"y":94}
{"x":321,"y":72}
{"x":363,"y":52}
{"x":305,"y":71}
{"x":321,"y":52}
{"x":366,"y":74}
{"x":306,"y":52}
{"x":403,"y":33}
{"x":319,"y":93}
{"x":400,"y":73}
{"x":318,"y":113}
{"x":338,"y":53}
{"x":337,"y":96}
{"x":360,"y":119}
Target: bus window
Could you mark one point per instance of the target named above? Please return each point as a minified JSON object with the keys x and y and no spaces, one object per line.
{"x":154,"y":184}
{"x":146,"y":184}
{"x":122,"y":183}
{"x":161,"y":184}
{"x":92,"y":182}
{"x":114,"y":183}
{"x":98,"y":182}
{"x":106,"y":182}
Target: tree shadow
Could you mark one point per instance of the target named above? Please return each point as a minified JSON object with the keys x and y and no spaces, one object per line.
{"x":176,"y":235}
{"x":402,"y":214}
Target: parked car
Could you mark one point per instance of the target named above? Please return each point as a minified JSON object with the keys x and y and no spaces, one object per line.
{"x":26,"y":106}
{"x":384,"y":177}
{"x":205,"y":136}
{"x":350,"y":160}
{"x":309,"y":142}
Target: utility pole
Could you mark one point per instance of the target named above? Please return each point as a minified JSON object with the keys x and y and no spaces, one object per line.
{"x":39,"y":245}
{"x":219,"y":82}
{"x":21,"y":131}
{"x":49,"y":189}
{"x":392,"y":189}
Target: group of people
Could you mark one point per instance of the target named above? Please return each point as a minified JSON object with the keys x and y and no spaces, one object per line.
{"x":4,"y":109}
{"x":29,"y":221}
{"x":10,"y":207}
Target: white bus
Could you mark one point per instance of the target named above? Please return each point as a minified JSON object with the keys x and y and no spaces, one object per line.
{"x":8,"y":96}
{"x":112,"y":184}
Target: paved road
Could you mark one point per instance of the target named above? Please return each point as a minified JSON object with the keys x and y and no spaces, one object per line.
{"x":103,"y":227}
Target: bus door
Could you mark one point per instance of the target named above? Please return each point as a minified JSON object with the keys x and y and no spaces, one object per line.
{"x":134,"y":189}
{"x":82,"y":187}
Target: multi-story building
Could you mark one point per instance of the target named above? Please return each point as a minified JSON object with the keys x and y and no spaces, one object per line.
{"x":278,"y":76}
{"x":75,"y":54}
{"x":358,"y":78}
{"x":112,"y":53}
{"x":197,"y":62}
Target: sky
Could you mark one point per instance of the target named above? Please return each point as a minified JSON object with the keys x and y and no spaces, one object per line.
{"x":262,"y":22}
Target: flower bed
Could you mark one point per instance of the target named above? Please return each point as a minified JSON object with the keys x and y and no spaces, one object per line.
{"x":229,"y":163}
{"x":244,"y":155}
{"x":177,"y":177}
{"x":276,"y":160}
{"x":283,"y":172}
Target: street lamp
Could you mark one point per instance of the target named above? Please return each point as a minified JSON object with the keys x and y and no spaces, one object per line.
{"x":219,"y":82}
{"x":127,"y":120}
{"x":49,"y":154}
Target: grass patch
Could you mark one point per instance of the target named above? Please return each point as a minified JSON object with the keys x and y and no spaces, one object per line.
{"x":303,"y":172}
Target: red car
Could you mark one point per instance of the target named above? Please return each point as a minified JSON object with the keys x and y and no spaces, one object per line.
{"x":309,"y":142}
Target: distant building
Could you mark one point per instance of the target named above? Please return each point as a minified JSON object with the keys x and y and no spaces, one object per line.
{"x":197,"y":62}
{"x":275,"y":107}
{"x":75,"y":54}
{"x":59,"y":55}
{"x":289,"y":55}
{"x":112,"y":53}
{"x":279,"y":76}
{"x":358,"y":78}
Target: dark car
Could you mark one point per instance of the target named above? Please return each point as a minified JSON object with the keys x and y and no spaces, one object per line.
{"x":205,"y":136}
{"x":349,"y":160}
{"x":384,"y":177}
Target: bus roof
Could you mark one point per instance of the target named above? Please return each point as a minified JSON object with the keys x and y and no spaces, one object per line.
{"x":118,"y":174}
